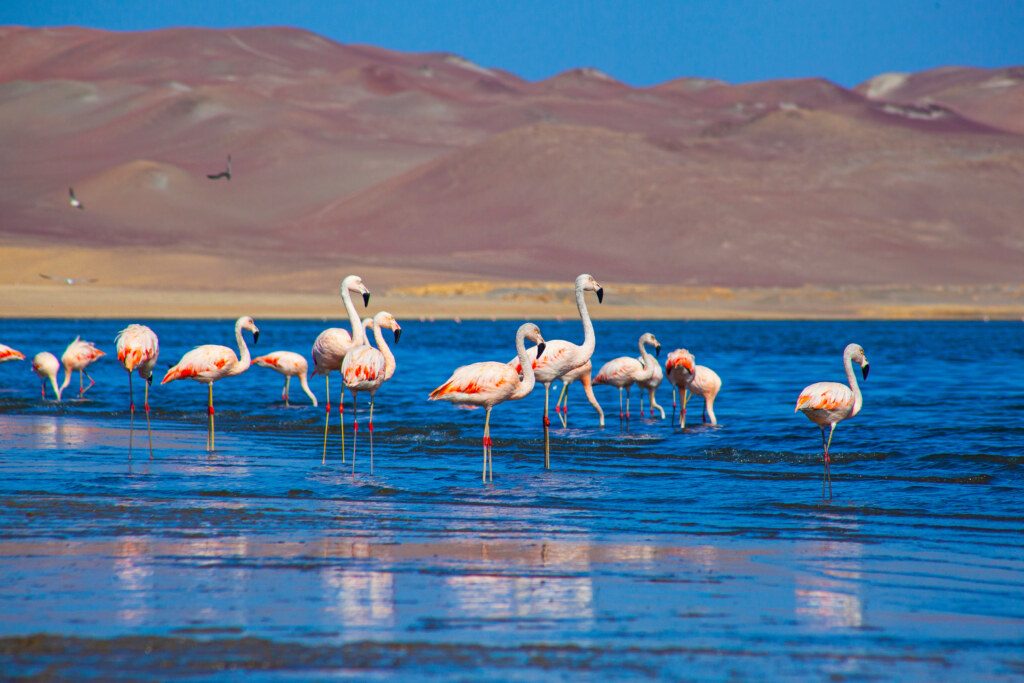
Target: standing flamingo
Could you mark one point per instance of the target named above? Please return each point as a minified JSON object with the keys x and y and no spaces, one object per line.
{"x":78,"y":356}
{"x":46,"y":365}
{"x":366,"y":369}
{"x":7,"y":353}
{"x":651,"y":385}
{"x":330,"y":348}
{"x":828,"y":403}
{"x":289,"y":364}
{"x":137,"y":349}
{"x":208,"y":363}
{"x":489,"y":383}
{"x":698,"y":380}
{"x":582,"y":373}
{"x":563,"y":356}
{"x":625,"y":371}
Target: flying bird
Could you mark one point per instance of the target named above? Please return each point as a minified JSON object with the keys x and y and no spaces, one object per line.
{"x":73,"y":200}
{"x":226,"y":173}
{"x":68,"y":280}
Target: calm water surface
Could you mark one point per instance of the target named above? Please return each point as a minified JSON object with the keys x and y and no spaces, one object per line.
{"x":641,"y":553}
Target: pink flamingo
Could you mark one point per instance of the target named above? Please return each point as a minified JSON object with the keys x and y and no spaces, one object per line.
{"x":366,"y":369}
{"x":7,"y":353}
{"x":563,"y":356}
{"x":698,"y":380}
{"x":46,"y":365}
{"x":289,"y":364}
{"x":625,"y":371}
{"x":651,"y":385}
{"x":828,"y":403}
{"x":489,"y":383}
{"x":208,"y":363}
{"x":78,"y":356}
{"x":330,"y":348}
{"x":137,"y":349}
{"x":582,"y":373}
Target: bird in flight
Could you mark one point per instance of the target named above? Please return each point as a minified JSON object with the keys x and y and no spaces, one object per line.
{"x":226,"y":173}
{"x":68,"y":280}
{"x":73,"y":200}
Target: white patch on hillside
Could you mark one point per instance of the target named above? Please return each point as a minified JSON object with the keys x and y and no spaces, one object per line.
{"x":883,"y":84}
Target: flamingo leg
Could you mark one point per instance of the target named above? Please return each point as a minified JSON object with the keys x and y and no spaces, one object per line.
{"x":371,"y":433}
{"x":42,"y":389}
{"x":341,"y":416}
{"x":327,"y":419}
{"x":488,"y":460}
{"x":209,"y":410}
{"x":81,"y":391}
{"x":641,"y":404}
{"x":131,"y":415}
{"x":355,"y":430}
{"x":682,"y":408}
{"x":547,"y":427}
{"x":629,"y":400}
{"x":92,"y":382}
{"x":284,"y":394}
{"x":673,"y":398}
{"x":149,"y":428}
{"x":564,"y":396}
{"x":828,"y":458}
{"x":621,"y":414}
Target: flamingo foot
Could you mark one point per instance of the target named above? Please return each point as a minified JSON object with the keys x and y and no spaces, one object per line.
{"x":547,"y":422}
{"x":210,"y":410}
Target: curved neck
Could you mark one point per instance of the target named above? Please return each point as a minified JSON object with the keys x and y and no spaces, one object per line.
{"x":589,"y":340}
{"x":304,"y":383}
{"x":526,"y":363}
{"x":358,"y":335}
{"x":244,"y":359}
{"x":64,"y":384}
{"x":858,"y":400}
{"x":389,"y":358}
{"x":649,"y":362}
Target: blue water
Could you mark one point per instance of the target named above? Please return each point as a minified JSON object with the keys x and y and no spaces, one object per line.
{"x":646,"y":552}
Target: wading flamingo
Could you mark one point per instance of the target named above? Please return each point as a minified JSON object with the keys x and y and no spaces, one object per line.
{"x":489,"y":383}
{"x":582,"y":373}
{"x":7,"y":353}
{"x":651,"y":385}
{"x":366,"y":369}
{"x":563,"y":356}
{"x":330,"y":348}
{"x":78,"y":356}
{"x":828,"y":403}
{"x":625,"y":371}
{"x":208,"y":363}
{"x":137,"y":350}
{"x":289,"y":364}
{"x":699,"y":380}
{"x":46,"y":365}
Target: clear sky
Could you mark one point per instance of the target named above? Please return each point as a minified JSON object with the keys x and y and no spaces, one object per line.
{"x":641,"y":42}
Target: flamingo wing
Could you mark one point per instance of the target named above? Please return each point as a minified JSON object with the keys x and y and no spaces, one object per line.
{"x":363,"y":367}
{"x":203,"y":364}
{"x":679,"y":358}
{"x":329,"y":349}
{"x":7,"y":353}
{"x":618,"y":370}
{"x":477,"y":382}
{"x":704,"y":381}
{"x":826,"y":396}
{"x":559,"y":357}
{"x":137,"y":346}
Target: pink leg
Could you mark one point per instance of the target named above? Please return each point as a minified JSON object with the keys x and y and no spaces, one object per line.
{"x":355,"y":430}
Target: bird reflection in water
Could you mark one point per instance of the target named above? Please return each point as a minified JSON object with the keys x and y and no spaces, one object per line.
{"x":360,"y":598}
{"x":134,"y":580}
{"x":828,"y":598}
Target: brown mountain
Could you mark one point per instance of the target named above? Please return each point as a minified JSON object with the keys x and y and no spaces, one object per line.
{"x":359,"y":155}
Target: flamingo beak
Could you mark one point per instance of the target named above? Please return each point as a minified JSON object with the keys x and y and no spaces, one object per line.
{"x":366,"y":299}
{"x":657,"y":349}
{"x":864,"y":370}
{"x":540,"y":349}
{"x":600,"y":294}
{"x":256,"y":337}
{"x":398,"y":333}
{"x":149,"y":380}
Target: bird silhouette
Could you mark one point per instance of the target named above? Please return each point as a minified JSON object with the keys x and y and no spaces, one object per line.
{"x":73,"y":200}
{"x":226,"y":173}
{"x":68,"y":280}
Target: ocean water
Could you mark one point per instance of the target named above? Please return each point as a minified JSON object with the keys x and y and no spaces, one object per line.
{"x":643,"y":553}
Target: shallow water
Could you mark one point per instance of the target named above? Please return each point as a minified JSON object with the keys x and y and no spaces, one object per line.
{"x":641,"y":553}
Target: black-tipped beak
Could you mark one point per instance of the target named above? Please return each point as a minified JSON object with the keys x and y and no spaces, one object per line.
{"x":398,"y":334}
{"x":600,"y":294}
{"x":540,"y":349}
{"x":256,"y":337}
{"x":366,"y":299}
{"x":149,"y":380}
{"x":864,"y":370}
{"x":657,"y":349}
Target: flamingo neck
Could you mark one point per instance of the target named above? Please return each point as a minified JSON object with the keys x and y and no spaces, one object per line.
{"x":649,"y":363}
{"x":64,"y":384}
{"x":526,"y":363}
{"x":358,"y":335}
{"x":244,"y":359}
{"x":389,"y":358}
{"x":589,"y":340}
{"x":304,"y":383}
{"x":851,"y":377}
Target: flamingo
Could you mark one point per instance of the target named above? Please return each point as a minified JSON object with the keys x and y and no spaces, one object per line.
{"x":46,"y":365}
{"x":7,"y":353}
{"x":489,"y":383}
{"x":78,"y":356}
{"x":137,"y":349}
{"x":698,"y":380}
{"x":289,"y":364}
{"x":828,"y":403}
{"x":582,"y":373}
{"x":366,"y":369}
{"x":651,"y":385}
{"x":208,"y":363}
{"x":330,"y":348}
{"x":625,"y":371}
{"x":562,"y":355}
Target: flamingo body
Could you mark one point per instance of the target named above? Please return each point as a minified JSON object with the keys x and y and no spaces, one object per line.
{"x":46,"y":365}
{"x":78,"y":356}
{"x":289,"y":364}
{"x":366,"y":369}
{"x":137,"y":349}
{"x":700,"y":380}
{"x":625,"y":371}
{"x":7,"y":353}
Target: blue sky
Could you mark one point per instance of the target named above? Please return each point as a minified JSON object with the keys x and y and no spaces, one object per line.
{"x":640,"y":42}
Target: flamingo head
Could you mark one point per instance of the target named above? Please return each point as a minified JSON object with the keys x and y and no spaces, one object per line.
{"x":856,"y":354}
{"x":649,"y":338}
{"x":247,"y":323}
{"x":385,"y":319}
{"x":532,"y":332}
{"x":587,"y":283}
{"x":354,"y":283}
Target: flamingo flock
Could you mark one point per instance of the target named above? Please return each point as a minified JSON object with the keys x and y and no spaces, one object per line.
{"x":365,"y":367}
